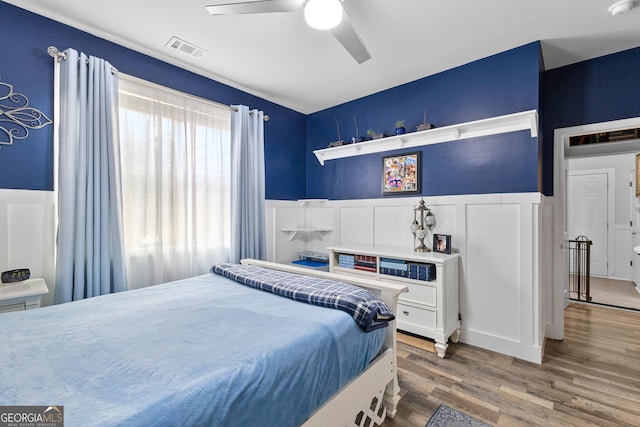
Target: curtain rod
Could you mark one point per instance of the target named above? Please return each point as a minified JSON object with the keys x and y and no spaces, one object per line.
{"x":54,"y":52}
{"x":265,"y":118}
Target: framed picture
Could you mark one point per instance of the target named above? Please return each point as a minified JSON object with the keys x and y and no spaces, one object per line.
{"x":401,"y":174}
{"x":442,"y":243}
{"x":637,"y":175}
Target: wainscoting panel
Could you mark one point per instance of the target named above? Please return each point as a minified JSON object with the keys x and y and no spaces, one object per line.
{"x":27,"y":234}
{"x":505,"y":245}
{"x":492,"y":289}
{"x":356,"y":225}
{"x":391,"y":226}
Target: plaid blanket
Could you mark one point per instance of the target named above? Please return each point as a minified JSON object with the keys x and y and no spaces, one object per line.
{"x":367,"y":310}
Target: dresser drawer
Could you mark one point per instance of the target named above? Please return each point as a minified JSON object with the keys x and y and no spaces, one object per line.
{"x":12,"y":307}
{"x":420,"y":293}
{"x":408,"y":316}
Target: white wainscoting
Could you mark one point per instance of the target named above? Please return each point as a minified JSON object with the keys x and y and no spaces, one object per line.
{"x":27,"y":234}
{"x":504,"y":241}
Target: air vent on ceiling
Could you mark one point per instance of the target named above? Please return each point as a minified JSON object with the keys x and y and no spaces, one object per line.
{"x":185,"y":47}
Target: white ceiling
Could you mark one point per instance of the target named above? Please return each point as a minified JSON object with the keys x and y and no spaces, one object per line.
{"x":278,"y":57}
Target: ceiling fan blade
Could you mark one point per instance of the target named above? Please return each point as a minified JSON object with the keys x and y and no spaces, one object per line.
{"x":264,"y":6}
{"x":350,"y":40}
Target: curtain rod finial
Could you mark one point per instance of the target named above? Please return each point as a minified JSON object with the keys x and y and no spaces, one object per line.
{"x":55,"y":53}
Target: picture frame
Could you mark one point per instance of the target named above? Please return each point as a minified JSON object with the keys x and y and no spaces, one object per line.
{"x":637,"y":175}
{"x":442,"y":243}
{"x":401,"y":174}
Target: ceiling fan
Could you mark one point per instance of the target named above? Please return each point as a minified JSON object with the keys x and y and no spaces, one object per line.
{"x":319,"y":14}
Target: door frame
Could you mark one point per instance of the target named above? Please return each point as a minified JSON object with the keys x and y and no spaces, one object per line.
{"x":611,"y":206}
{"x":560,"y":254}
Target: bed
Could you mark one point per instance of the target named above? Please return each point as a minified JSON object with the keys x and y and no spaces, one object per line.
{"x":203,"y":351}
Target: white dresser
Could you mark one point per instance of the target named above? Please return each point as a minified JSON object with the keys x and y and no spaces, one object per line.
{"x":430,"y":308}
{"x":23,"y":295}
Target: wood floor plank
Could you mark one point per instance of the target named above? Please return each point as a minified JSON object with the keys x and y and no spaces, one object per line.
{"x":591,"y":378}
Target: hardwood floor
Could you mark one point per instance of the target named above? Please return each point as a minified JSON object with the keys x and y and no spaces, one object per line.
{"x":620,"y":293}
{"x":591,"y":378}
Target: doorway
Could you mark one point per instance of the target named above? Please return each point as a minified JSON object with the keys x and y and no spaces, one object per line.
{"x":616,"y":228}
{"x":598,"y":207}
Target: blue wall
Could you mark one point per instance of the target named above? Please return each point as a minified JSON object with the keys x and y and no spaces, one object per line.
{"x":594,"y":91}
{"x":25,"y":64}
{"x":501,"y":84}
{"x":601,"y":89}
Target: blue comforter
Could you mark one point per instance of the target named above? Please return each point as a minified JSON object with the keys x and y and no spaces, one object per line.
{"x":201,"y":351}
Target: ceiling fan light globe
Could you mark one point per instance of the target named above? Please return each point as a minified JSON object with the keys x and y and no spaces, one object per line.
{"x":621,"y":7}
{"x":323,"y":14}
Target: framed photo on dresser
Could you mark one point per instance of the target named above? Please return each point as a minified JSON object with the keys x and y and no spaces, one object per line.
{"x":442,"y":243}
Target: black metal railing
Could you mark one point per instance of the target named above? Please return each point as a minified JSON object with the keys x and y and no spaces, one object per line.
{"x":579,"y":268}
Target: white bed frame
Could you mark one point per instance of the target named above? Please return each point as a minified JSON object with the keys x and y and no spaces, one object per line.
{"x":374,"y":394}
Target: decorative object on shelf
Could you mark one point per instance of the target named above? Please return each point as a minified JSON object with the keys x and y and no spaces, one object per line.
{"x":442,"y":243}
{"x":400,"y":129}
{"x":16,"y":117}
{"x":373,"y":135}
{"x":401,"y":174}
{"x":339,"y":142}
{"x":419,"y":229}
{"x":356,"y":138}
{"x":424,"y":125}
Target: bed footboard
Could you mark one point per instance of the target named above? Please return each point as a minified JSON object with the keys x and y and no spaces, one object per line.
{"x":362,"y":400}
{"x":375,"y":393}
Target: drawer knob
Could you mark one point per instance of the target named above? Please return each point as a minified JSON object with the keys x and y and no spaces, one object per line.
{"x":406,"y":313}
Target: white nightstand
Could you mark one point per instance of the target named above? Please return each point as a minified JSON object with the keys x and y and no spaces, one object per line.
{"x":23,"y":295}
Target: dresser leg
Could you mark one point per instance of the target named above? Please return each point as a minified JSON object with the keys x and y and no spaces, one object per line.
{"x":441,"y":349}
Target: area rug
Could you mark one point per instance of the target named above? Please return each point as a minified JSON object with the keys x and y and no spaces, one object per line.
{"x":449,"y":417}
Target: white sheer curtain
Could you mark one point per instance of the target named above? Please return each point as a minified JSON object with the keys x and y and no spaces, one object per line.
{"x":175,"y":176}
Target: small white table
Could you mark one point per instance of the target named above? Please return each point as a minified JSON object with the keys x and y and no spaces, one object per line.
{"x":23,"y":295}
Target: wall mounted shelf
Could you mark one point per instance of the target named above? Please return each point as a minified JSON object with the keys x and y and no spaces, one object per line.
{"x":293,"y":232}
{"x":526,"y":120}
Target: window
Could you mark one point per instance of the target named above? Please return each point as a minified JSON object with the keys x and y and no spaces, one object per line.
{"x":175,"y":156}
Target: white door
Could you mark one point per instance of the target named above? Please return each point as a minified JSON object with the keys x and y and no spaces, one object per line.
{"x":587,"y":215}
